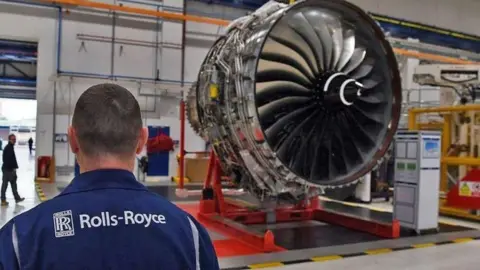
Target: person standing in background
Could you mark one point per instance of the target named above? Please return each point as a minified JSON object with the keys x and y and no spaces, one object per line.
{"x":30,"y":145}
{"x":9,"y":170}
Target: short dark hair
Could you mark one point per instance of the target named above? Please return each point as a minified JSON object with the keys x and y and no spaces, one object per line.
{"x":107,"y":121}
{"x":10,"y":136}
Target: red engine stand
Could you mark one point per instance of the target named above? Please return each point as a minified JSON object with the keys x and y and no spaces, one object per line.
{"x":466,"y":193}
{"x":231,"y":218}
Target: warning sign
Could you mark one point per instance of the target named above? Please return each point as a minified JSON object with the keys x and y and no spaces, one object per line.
{"x":465,"y":190}
{"x":469,"y":189}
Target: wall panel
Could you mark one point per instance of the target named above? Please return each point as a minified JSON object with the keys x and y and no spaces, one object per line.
{"x":85,"y":55}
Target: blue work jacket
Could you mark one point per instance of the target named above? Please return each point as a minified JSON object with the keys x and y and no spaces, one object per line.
{"x":106,"y":219}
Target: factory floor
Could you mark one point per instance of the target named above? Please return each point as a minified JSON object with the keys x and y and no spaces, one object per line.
{"x":428,"y":258}
{"x":459,"y":253}
{"x":458,"y":256}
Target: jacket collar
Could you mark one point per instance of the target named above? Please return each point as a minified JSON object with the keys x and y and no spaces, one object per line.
{"x":103,"y":179}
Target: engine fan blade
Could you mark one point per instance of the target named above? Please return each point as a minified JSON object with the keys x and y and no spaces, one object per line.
{"x":364,"y":70}
{"x":337,"y":38}
{"x":320,"y":20}
{"x":318,"y":163}
{"x":356,"y":59}
{"x":286,"y":105}
{"x":305,"y":154}
{"x":371,"y":82}
{"x":355,"y":154}
{"x":275,"y":51}
{"x":272,"y":71}
{"x":276,"y":128}
{"x":372,"y":117}
{"x":373,"y":99}
{"x":348,"y":49}
{"x":288,"y":149}
{"x":270,"y":91}
{"x":303,"y":28}
{"x":288,"y":37}
{"x":341,"y":156}
{"x":364,"y":137}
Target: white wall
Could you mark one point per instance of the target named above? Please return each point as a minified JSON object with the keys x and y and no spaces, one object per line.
{"x":460,"y":15}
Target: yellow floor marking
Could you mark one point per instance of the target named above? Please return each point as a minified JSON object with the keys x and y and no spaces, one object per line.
{"x":265,"y":265}
{"x":350,"y":204}
{"x":41,"y":194}
{"x":326,"y":258}
{"x":423,"y":245}
{"x":378,"y":251}
{"x":448,"y":223}
{"x":377,"y":209}
{"x":462,"y":240}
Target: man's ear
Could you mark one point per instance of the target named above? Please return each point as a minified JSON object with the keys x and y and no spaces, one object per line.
{"x":72,"y":140}
{"x":142,"y":140}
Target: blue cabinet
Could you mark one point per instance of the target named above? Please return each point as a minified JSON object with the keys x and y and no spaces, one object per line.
{"x":158,"y":163}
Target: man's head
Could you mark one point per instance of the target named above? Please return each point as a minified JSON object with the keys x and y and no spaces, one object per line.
{"x":12,"y":139}
{"x":106,"y":128}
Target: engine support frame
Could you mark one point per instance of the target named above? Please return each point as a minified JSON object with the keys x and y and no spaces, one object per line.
{"x":232,"y":219}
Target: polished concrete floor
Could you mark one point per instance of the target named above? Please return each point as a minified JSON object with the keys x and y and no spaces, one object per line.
{"x":459,"y":256}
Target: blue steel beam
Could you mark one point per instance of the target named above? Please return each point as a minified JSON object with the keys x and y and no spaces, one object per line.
{"x":242,"y":4}
{"x":403,"y":29}
{"x":16,"y":59}
{"x":18,"y":81}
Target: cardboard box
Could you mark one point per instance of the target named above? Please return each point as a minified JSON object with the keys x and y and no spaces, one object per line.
{"x":196,"y":169}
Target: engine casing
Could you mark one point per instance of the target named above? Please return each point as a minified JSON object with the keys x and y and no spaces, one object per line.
{"x":298,"y":98}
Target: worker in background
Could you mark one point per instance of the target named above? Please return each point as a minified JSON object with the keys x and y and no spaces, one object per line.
{"x":105,"y":218}
{"x":30,"y":145}
{"x":9,"y":171}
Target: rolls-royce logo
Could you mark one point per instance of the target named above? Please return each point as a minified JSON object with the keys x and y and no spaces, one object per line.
{"x":63,"y":224}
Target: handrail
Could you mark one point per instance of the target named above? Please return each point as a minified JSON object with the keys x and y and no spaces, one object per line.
{"x":200,"y":19}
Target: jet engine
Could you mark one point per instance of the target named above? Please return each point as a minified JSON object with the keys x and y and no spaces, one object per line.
{"x":296,"y":99}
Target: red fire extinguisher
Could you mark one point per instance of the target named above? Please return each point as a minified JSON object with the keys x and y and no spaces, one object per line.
{"x":43,"y":169}
{"x":43,"y":166}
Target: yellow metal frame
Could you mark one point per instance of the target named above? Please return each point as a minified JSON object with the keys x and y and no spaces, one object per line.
{"x":447,"y":112}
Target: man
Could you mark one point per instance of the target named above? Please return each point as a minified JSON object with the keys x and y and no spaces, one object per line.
{"x":106,"y":219}
{"x":30,"y":145}
{"x":9,"y":170}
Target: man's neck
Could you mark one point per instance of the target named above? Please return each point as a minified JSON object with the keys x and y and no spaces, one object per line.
{"x":106,"y":163}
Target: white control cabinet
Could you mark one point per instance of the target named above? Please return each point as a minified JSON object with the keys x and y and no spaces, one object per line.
{"x":417,"y":179}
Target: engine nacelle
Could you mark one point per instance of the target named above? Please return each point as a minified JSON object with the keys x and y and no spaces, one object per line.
{"x":296,"y":98}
